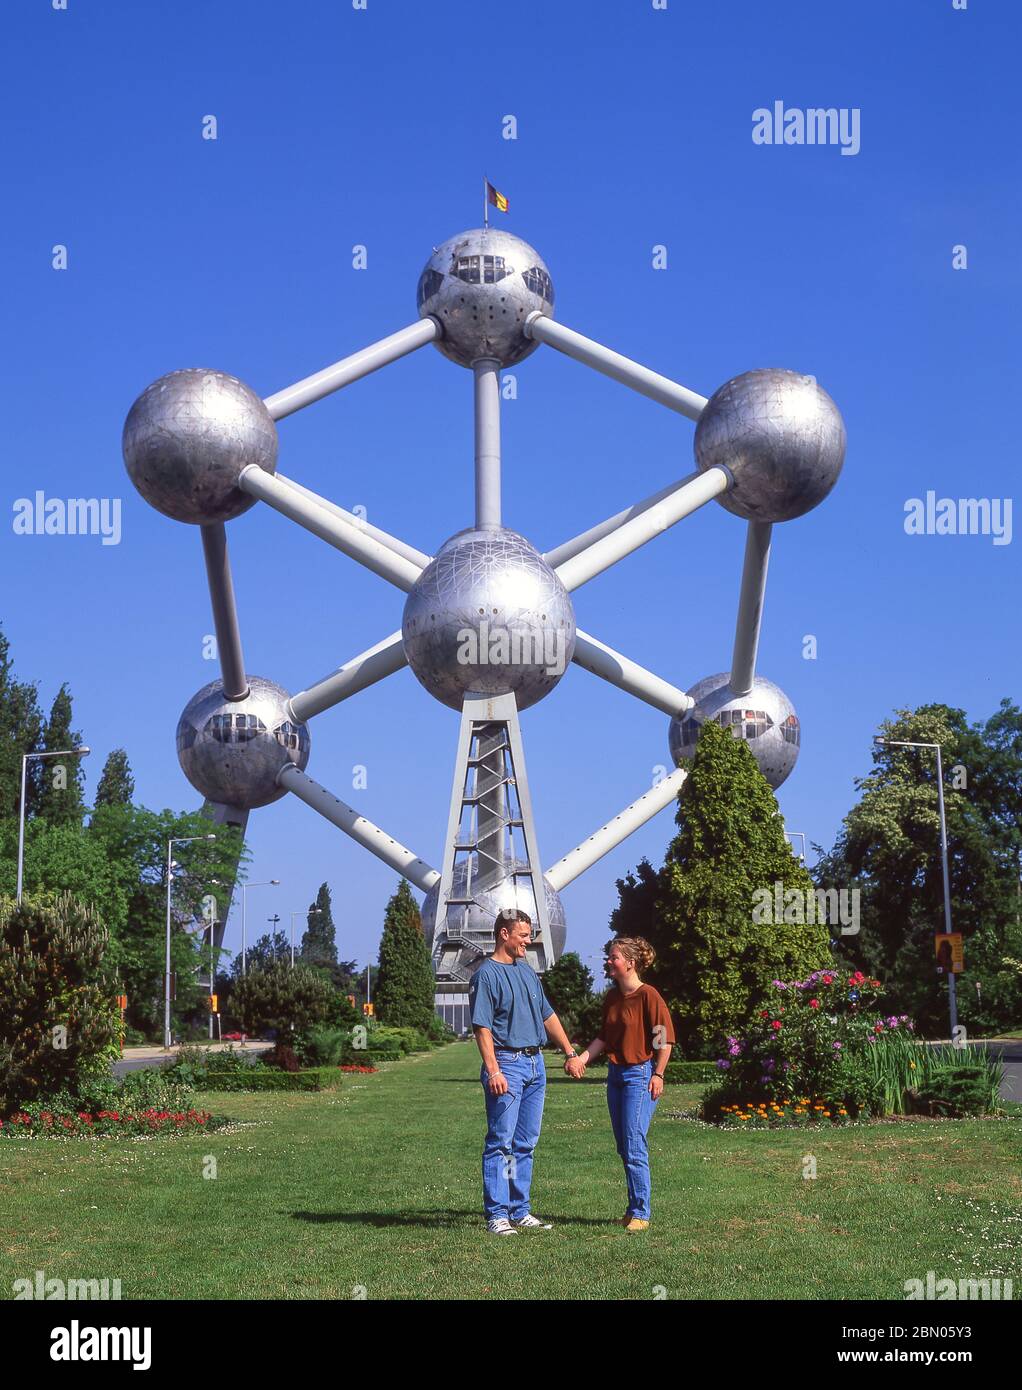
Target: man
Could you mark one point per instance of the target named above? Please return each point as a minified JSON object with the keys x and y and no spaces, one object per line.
{"x":512,"y":1018}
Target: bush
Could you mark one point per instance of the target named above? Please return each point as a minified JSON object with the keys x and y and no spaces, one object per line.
{"x":53,"y":985}
{"x":954,"y":1091}
{"x":282,"y":1057}
{"x":689,"y":1073}
{"x":320,"y":1046}
{"x":811,"y":1047}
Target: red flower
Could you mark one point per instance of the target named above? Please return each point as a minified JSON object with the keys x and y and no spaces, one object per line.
{"x":776,"y":1024}
{"x":814,"y":1003}
{"x":764,"y":1014}
{"x":828,"y":979}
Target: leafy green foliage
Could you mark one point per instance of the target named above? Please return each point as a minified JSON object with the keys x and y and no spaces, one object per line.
{"x":282,"y":997}
{"x":116,"y":784}
{"x":889,"y":849}
{"x":404,"y":987}
{"x":57,"y":1009}
{"x":715,"y":961}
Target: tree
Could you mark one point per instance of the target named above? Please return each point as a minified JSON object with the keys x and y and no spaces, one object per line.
{"x":319,"y":946}
{"x":116,"y":784}
{"x":61,"y":801}
{"x":269,"y":949}
{"x":58,"y":1012}
{"x":404,"y":988}
{"x":282,"y":997}
{"x":712,"y":919}
{"x":889,"y":849}
{"x":21,"y":724}
{"x":568,"y":984}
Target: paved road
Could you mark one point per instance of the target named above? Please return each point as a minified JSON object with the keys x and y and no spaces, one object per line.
{"x":1011,"y":1055}
{"x":135,"y":1058}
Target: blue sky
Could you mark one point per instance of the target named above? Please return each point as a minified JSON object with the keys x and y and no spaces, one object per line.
{"x":340,"y":127}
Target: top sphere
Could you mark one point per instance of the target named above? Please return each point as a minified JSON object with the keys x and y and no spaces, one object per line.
{"x":187,"y":438}
{"x":781,"y":436}
{"x":481,"y":286}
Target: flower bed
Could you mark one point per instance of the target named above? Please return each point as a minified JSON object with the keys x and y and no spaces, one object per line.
{"x":351,"y":1066}
{"x":39,"y":1121}
{"x":806,"y":1057}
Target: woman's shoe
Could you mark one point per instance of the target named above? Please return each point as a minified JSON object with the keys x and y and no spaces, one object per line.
{"x":636,"y":1223}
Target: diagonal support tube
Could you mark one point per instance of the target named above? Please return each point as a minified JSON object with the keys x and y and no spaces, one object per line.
{"x":609,"y":836}
{"x":628,"y":675}
{"x":348,"y":369}
{"x":363,"y":831}
{"x":568,"y":549}
{"x":399,"y":547}
{"x":750,"y":606}
{"x":225,"y":612}
{"x":688,"y":496}
{"x":361,"y":671}
{"x":602,"y":359}
{"x":310,"y":512}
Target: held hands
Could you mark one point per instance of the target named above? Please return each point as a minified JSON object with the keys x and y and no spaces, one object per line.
{"x":575,"y":1067}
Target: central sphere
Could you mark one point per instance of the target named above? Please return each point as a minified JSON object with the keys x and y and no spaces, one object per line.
{"x":488,"y":616}
{"x":481,"y":286}
{"x":468,"y":935}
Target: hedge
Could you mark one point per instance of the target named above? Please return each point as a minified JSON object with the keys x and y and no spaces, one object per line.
{"x":690,"y":1073}
{"x":311,"y":1079}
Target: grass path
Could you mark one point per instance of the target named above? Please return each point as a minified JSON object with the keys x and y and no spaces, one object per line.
{"x":376,"y":1188}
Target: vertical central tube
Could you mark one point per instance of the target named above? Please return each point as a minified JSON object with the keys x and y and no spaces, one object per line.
{"x":487,"y":440}
{"x":491,"y":808}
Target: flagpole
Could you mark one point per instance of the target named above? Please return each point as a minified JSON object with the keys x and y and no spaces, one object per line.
{"x":486,"y":206}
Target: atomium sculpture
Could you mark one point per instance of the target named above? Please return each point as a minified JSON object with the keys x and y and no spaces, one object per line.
{"x":489,"y":623}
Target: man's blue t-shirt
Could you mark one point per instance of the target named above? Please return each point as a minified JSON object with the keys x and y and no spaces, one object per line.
{"x":509,"y":1000}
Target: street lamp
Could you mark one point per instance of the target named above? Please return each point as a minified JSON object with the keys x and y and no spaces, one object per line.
{"x":905,"y":743}
{"x":312,"y":912}
{"x":244,"y":938}
{"x":180,"y":840}
{"x":81,"y":751}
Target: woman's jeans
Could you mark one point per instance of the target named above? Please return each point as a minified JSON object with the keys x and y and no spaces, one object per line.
{"x":631,"y":1109}
{"x":513,"y":1124}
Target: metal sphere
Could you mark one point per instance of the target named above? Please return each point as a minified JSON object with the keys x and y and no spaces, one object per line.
{"x":473,"y":922}
{"x":765,"y":718}
{"x":232,"y":750}
{"x":187,"y":438}
{"x":487,"y":616}
{"x":781,"y":436}
{"x":481,"y":286}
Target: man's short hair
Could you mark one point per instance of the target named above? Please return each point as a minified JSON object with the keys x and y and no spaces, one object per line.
{"x":508,"y":916}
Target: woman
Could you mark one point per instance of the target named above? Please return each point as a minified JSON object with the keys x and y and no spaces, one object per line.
{"x":637,"y":1037}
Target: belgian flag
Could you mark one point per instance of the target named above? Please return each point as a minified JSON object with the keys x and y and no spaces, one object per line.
{"x":495,"y":198}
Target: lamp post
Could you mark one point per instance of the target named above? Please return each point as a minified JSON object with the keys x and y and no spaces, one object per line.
{"x":180,"y":840}
{"x":952,"y":998}
{"x":244,"y":939}
{"x":299,"y":912}
{"x":273,"y":934}
{"x":80,"y":750}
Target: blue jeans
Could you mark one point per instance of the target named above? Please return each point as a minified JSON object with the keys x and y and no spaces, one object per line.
{"x":631,"y":1109}
{"x":513,"y":1123}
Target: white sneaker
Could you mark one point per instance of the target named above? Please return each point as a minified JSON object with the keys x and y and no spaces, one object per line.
{"x":500,"y":1226}
{"x":531,"y":1223}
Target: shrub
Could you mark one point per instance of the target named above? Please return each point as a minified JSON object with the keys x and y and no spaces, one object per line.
{"x":320,"y":1046}
{"x":266,"y":1079}
{"x":954,"y":1091}
{"x":811,"y":1046}
{"x":282,"y":1057}
{"x":52,"y":977}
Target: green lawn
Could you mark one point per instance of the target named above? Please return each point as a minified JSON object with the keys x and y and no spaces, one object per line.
{"x":377,"y":1187}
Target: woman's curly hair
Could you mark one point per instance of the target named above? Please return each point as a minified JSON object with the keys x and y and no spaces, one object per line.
{"x":635,"y":949}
